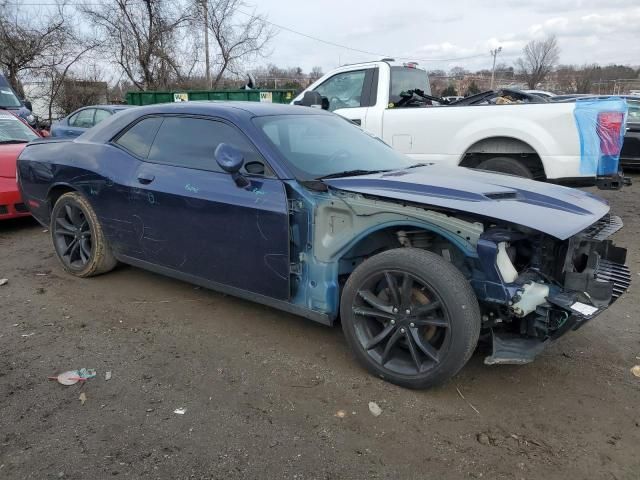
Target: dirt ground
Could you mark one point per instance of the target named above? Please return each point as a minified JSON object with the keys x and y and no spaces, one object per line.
{"x":262,"y":388}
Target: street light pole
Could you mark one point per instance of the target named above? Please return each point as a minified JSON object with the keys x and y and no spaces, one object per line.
{"x":207,"y":67}
{"x":494,"y":54}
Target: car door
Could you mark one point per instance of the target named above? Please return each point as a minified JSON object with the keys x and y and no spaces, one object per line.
{"x":192,"y":218}
{"x":79,"y":123}
{"x":350,"y":94}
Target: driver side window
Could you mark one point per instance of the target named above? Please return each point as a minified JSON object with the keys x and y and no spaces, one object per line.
{"x":344,"y":90}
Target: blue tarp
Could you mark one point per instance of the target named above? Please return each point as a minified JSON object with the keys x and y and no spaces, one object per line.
{"x":600,"y":139}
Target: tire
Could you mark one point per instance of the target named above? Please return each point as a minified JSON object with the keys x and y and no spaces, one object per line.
{"x":507,"y":165}
{"x":73,"y":219}
{"x":447,"y":298}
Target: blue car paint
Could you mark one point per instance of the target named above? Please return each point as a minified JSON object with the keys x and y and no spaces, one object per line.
{"x":201,"y":227}
{"x":62,"y":128}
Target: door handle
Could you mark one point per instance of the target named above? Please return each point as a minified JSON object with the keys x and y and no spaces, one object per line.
{"x":357,"y":121}
{"x":146,"y":178}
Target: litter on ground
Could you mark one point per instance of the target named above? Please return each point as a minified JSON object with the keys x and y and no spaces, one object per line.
{"x":72,"y":377}
{"x":375,"y":409}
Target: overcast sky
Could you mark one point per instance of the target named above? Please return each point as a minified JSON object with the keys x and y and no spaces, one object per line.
{"x":589,"y":31}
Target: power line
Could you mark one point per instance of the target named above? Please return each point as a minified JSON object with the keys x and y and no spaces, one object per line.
{"x":288,"y":29}
{"x":377,"y":54}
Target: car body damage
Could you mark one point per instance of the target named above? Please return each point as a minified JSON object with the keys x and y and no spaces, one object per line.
{"x":535,"y":279}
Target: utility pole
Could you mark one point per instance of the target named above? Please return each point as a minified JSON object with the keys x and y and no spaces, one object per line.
{"x":207,"y":66}
{"x":494,"y":54}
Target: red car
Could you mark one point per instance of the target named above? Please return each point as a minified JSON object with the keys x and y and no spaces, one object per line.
{"x":14,"y":135}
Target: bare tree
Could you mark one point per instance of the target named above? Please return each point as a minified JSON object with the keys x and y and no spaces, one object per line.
{"x":316,"y":73}
{"x":27,"y":42}
{"x":238,"y":36}
{"x":540,"y":56}
{"x":141,"y":37}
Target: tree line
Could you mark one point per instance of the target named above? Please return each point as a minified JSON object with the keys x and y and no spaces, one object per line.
{"x":538,"y":68}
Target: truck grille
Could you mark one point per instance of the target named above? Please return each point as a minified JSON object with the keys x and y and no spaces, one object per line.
{"x":604,"y":228}
{"x":619,"y":275}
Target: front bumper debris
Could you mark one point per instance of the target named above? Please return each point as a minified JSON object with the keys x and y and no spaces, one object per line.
{"x":587,"y":291}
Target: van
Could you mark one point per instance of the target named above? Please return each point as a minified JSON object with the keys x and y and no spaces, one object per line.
{"x":10,"y":101}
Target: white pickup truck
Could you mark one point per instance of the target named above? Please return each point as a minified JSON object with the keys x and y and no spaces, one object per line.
{"x":504,"y":131}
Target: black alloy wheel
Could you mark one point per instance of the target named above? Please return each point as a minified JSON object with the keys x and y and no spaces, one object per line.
{"x":78,"y":238}
{"x":401,"y":322}
{"x":410,"y":317}
{"x":72,"y":237}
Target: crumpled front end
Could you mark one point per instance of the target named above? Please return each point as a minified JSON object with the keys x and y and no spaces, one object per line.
{"x":536,"y":291}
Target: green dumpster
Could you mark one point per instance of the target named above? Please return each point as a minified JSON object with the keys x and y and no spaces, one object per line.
{"x":153,"y":97}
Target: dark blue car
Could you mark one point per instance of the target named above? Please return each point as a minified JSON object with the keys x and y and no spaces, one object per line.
{"x":303,"y":211}
{"x":83,"y":119}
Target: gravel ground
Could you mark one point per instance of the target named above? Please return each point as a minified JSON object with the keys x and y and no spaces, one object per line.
{"x":270,"y":395}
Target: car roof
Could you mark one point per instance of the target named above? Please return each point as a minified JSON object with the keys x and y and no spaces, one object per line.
{"x":215,"y":107}
{"x":115,"y":106}
{"x":236,"y":112}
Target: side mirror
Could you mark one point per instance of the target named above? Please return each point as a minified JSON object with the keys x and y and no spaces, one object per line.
{"x":231,"y":160}
{"x":314,"y":99}
{"x":27,"y":104}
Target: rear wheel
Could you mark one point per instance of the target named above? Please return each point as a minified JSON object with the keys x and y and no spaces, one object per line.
{"x":78,"y":238}
{"x":508,"y":165}
{"x":410,"y":317}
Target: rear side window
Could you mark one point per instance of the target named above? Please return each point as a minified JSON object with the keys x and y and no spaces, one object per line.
{"x":139,"y":138}
{"x":101,"y":115}
{"x":405,"y":78}
{"x":83,"y":119}
{"x":634,"y":111}
{"x":191,"y":142}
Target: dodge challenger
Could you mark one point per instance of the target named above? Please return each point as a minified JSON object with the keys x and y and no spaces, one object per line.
{"x":303,"y":211}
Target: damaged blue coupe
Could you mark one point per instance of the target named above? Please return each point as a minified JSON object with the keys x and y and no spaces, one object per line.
{"x":301,"y":210}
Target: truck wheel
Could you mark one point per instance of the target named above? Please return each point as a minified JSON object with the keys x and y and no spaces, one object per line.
{"x":506,"y":165}
{"x":78,"y":238}
{"x":410,"y":317}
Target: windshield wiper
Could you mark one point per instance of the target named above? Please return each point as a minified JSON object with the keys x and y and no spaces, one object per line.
{"x":11,"y":142}
{"x":350,"y":173}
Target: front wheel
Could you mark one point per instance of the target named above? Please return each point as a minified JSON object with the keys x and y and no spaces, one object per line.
{"x":78,"y":238}
{"x":410,"y":317}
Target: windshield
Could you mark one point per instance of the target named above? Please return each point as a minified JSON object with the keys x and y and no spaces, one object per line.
{"x":405,"y":78}
{"x":8,"y":99}
{"x":12,"y":129}
{"x":315,"y":146}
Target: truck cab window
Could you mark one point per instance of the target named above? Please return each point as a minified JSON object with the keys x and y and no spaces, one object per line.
{"x":404,"y":79}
